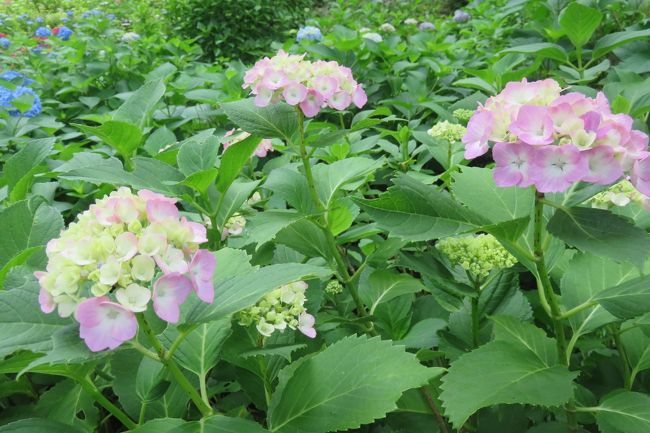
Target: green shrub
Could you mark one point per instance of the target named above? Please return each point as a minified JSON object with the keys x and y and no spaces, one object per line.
{"x":237,"y":28}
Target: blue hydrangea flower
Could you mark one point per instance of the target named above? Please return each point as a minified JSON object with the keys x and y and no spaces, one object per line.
{"x":7,"y":96}
{"x":39,"y":19}
{"x":461,"y":16}
{"x":4,"y":43}
{"x":43,"y":32}
{"x":37,"y":50}
{"x":70,"y":14}
{"x":426,"y":25}
{"x":309,"y":33}
{"x":110,"y":16}
{"x":29,"y":22}
{"x":64,"y":33}
{"x":12,"y":75}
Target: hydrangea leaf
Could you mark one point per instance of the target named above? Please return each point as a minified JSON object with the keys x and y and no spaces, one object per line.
{"x":624,"y":412}
{"x":274,"y":121}
{"x":352,"y":382}
{"x":520,"y":366}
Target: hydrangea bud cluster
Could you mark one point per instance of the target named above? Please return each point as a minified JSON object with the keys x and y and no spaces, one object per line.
{"x":387,"y":28}
{"x":620,"y":194}
{"x":309,"y":85}
{"x":309,"y":33}
{"x":478,"y":255}
{"x":281,"y":309}
{"x":463,"y":114}
{"x":553,"y":140}
{"x":262,"y":149}
{"x":102,"y":267}
{"x":447,"y":131}
{"x":234,"y":226}
{"x":334,"y":287}
{"x":372,"y":36}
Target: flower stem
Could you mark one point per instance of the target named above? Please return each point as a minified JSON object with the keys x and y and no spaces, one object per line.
{"x":547,"y":295}
{"x":88,"y":386}
{"x":475,"y":322}
{"x":171,"y":365}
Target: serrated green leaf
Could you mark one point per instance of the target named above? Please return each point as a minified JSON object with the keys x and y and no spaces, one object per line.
{"x":612,"y":41}
{"x":624,"y":412}
{"x":274,"y":121}
{"x":121,"y":136}
{"x":344,"y":174}
{"x":139,"y":106}
{"x":233,"y":160}
{"x":418,"y":212}
{"x":196,"y":155}
{"x":579,"y":22}
{"x":542,"y":49}
{"x":520,"y":366}
{"x":600,"y":232}
{"x":383,"y":285}
{"x":352,"y":382}
{"x":627,"y":300}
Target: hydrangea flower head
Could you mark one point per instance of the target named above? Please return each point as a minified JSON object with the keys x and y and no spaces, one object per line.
{"x":309,"y":33}
{"x":123,"y":252}
{"x":387,"y":28}
{"x":309,"y":85}
{"x":448,"y":131}
{"x":281,"y":309}
{"x":43,"y":32}
{"x":130,"y":37}
{"x":426,"y":25}
{"x":411,"y":22}
{"x":63,"y":33}
{"x":5,"y":43}
{"x":551,"y":140}
{"x":478,"y":255}
{"x":262,"y":149}
{"x":372,"y":36}
{"x":7,"y":97}
{"x":461,"y":16}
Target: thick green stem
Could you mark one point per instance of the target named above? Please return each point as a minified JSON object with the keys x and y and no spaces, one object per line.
{"x":341,"y":266}
{"x":92,"y":390}
{"x":627,"y":374}
{"x":475,"y":322}
{"x":547,"y":295}
{"x":173,"y":368}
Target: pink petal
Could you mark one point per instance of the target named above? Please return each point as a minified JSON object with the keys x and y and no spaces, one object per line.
{"x":105,"y":324}
{"x":169,"y":293}
{"x":263,"y":95}
{"x":306,"y":325}
{"x":294,"y":93}
{"x":359,"y":97}
{"x":479,"y":129}
{"x":87,"y":311}
{"x":159,"y":210}
{"x":533,"y":125}
{"x":556,"y":168}
{"x":199,"y":231}
{"x":312,"y":103}
{"x":46,"y":301}
{"x":202,"y":270}
{"x":147,"y":195}
{"x":340,"y":100}
{"x":604,"y":169}
{"x":513,"y":164}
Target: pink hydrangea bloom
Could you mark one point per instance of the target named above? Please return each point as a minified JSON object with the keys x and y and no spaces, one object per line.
{"x":309,"y":85}
{"x":551,"y":140}
{"x":103,"y":267}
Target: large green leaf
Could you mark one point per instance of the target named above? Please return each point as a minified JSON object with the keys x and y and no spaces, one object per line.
{"x":418,"y":212}
{"x":121,"y":136}
{"x":542,"y":49}
{"x":68,"y":403}
{"x":627,"y":300}
{"x":233,"y":160}
{"x":197,"y":155}
{"x":200,"y":349}
{"x":28,"y":226}
{"x":637,"y":347}
{"x":23,"y":326}
{"x":383,"y":285}
{"x":305,"y":237}
{"x":19,"y":170}
{"x":344,"y":174}
{"x":352,"y":382}
{"x":292,"y":187}
{"x":602,"y":233}
{"x":624,"y":412}
{"x":139,"y":106}
{"x":213,"y":424}
{"x":274,"y":121}
{"x":612,"y":41}
{"x":38,"y":425}
{"x":579,"y":22}
{"x":519,"y":367}
{"x":263,"y":226}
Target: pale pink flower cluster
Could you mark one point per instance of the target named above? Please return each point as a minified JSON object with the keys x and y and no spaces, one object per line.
{"x":262,"y":150}
{"x":552,"y":140}
{"x":104,"y":268}
{"x":310,"y":85}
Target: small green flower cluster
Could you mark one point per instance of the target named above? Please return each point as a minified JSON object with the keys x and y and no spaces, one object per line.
{"x":282,"y":308}
{"x":334,"y":287}
{"x":448,"y":131}
{"x":620,"y":194}
{"x":463,"y":114}
{"x":478,"y":255}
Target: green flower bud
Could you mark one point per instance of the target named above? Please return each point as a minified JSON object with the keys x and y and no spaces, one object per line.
{"x":478,"y":255}
{"x":463,"y":114}
{"x":334,"y":287}
{"x":451,"y":132}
